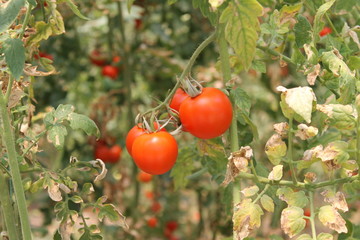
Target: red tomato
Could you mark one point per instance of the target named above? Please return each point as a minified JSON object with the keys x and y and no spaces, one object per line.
{"x":307,"y":213}
{"x":284,"y":71}
{"x":156,"y":207}
{"x":179,"y":97}
{"x":171,"y":225}
{"x":152,"y":222}
{"x":110,"y":71}
{"x":144,"y":177}
{"x":44,"y":55}
{"x":116,"y":59}
{"x":207,"y":115}
{"x":149,"y":195}
{"x":134,"y":133}
{"x":155,"y":153}
{"x":325,"y":31}
{"x":108,"y":154}
{"x":138,"y":23}
{"x":97,"y":58}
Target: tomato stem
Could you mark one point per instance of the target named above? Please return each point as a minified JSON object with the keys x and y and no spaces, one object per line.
{"x":290,"y":152}
{"x":312,"y":214}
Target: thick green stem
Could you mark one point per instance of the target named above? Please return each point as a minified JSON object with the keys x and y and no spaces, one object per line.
{"x":290,"y":152}
{"x":8,"y":139}
{"x":312,"y":215}
{"x":26,"y":20}
{"x":7,"y":208}
{"x":275,"y":53}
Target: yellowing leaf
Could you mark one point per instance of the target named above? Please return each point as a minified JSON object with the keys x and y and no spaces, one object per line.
{"x":304,"y":237}
{"x":340,"y":116}
{"x":242,"y":26}
{"x":275,"y":149}
{"x":318,"y":25}
{"x":277,"y":173}
{"x":296,"y":199}
{"x":43,"y":32}
{"x":292,"y":222}
{"x":305,"y":132}
{"x":267,"y":203}
{"x":332,"y":219}
{"x":338,"y":200}
{"x":325,"y":236}
{"x":250,"y":191}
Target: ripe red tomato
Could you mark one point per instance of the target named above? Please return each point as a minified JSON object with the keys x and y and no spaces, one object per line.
{"x":179,"y":97}
{"x":207,"y":115}
{"x":138,"y":23}
{"x":171,"y":225}
{"x":155,"y":153}
{"x":106,"y":153}
{"x":152,"y":222}
{"x":307,"y":213}
{"x":97,"y":58}
{"x":156,"y":207}
{"x":325,"y":31}
{"x":144,"y":177}
{"x":116,"y":59}
{"x":134,"y":133}
{"x":110,"y":71}
{"x":44,"y":55}
{"x":149,"y":195}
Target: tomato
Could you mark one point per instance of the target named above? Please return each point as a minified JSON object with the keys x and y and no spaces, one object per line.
{"x":134,"y":133}
{"x":106,"y":153}
{"x":284,"y":71}
{"x":44,"y":55}
{"x":307,"y":213}
{"x":144,"y":177}
{"x":325,"y":31}
{"x":138,"y":23}
{"x":179,"y":97}
{"x":149,"y":195}
{"x":156,"y":207}
{"x":207,"y":115}
{"x":110,"y":71}
{"x":97,"y":58}
{"x":155,"y":153}
{"x":171,"y":225}
{"x":152,"y":222}
{"x":116,"y":59}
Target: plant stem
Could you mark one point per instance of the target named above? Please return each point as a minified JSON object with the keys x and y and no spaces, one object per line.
{"x":358,"y":137}
{"x":275,"y":53}
{"x":9,"y":88}
{"x":290,"y":152}
{"x":26,"y":20}
{"x":7,"y":208}
{"x":8,"y":139}
{"x":312,"y":215}
{"x":262,"y":193}
{"x":186,"y":71}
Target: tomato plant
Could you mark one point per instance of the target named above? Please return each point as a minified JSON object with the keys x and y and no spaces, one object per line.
{"x":155,"y":153}
{"x":207,"y":115}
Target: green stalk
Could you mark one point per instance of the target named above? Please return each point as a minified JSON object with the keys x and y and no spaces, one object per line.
{"x":234,"y":141}
{"x":312,"y":215}
{"x":290,"y":152}
{"x":275,"y":53}
{"x":26,"y":20}
{"x":262,"y":193}
{"x":7,"y":208}
{"x":358,"y":137}
{"x":8,"y":139}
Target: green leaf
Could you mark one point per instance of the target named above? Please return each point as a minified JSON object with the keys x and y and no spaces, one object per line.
{"x":109,"y":211}
{"x":292,"y":221}
{"x":183,"y":168}
{"x":76,"y":199}
{"x":43,"y":32}
{"x":62,"y":112}
{"x":302,"y":29}
{"x":318,"y":22}
{"x":242,"y":26}
{"x":205,"y":9}
{"x":87,"y":189}
{"x":56,"y":135}
{"x":296,"y":199}
{"x":15,"y":56}
{"x":32,"y":2}
{"x":339,"y":116}
{"x":275,"y":149}
{"x":259,"y":66}
{"x":250,"y":191}
{"x":354,"y":62}
{"x":241,"y":99}
{"x":129,"y":4}
{"x":345,"y":76}
{"x":325,"y":236}
{"x":79,"y":121}
{"x":57,"y":23}
{"x":75,"y":9}
{"x":170,"y":2}
{"x":267,"y":203}
{"x":9,"y":14}
{"x":332,"y":219}
{"x":304,"y":237}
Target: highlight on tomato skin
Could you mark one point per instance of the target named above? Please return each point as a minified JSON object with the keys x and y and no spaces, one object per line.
{"x":155,"y":153}
{"x":325,"y":31}
{"x":207,"y":115}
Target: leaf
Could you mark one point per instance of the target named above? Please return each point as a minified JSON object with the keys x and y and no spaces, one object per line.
{"x":292,"y":222}
{"x":303,"y":31}
{"x":250,"y":191}
{"x":242,"y":26}
{"x":205,"y":9}
{"x":62,"y":112}
{"x":87,"y":189}
{"x":43,"y":32}
{"x":296,"y":199}
{"x":79,"y":121}
{"x":332,"y":219}
{"x":99,"y":164}
{"x":15,"y":56}
{"x":346,"y":78}
{"x":129,"y":4}
{"x":75,"y":9}
{"x":76,"y":199}
{"x":354,"y":62}
{"x":325,"y":236}
{"x":334,"y":154}
{"x":183,"y":168}
{"x":242,"y":100}
{"x":56,"y":135}
{"x":267,"y":203}
{"x":318,"y":22}
{"x":9,"y":12}
{"x":304,"y":237}
{"x":32,"y":2}
{"x":109,"y":211}
{"x":275,"y":149}
{"x":215,"y":3}
{"x":339,"y":116}
{"x":247,"y":216}
{"x":305,"y":132}
{"x":338,"y":200}
{"x":277,"y":173}
{"x":300,"y":100}
{"x":53,"y":189}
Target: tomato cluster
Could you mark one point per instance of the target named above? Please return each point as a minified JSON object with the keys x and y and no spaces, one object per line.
{"x":108,"y":69}
{"x":109,"y":154}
